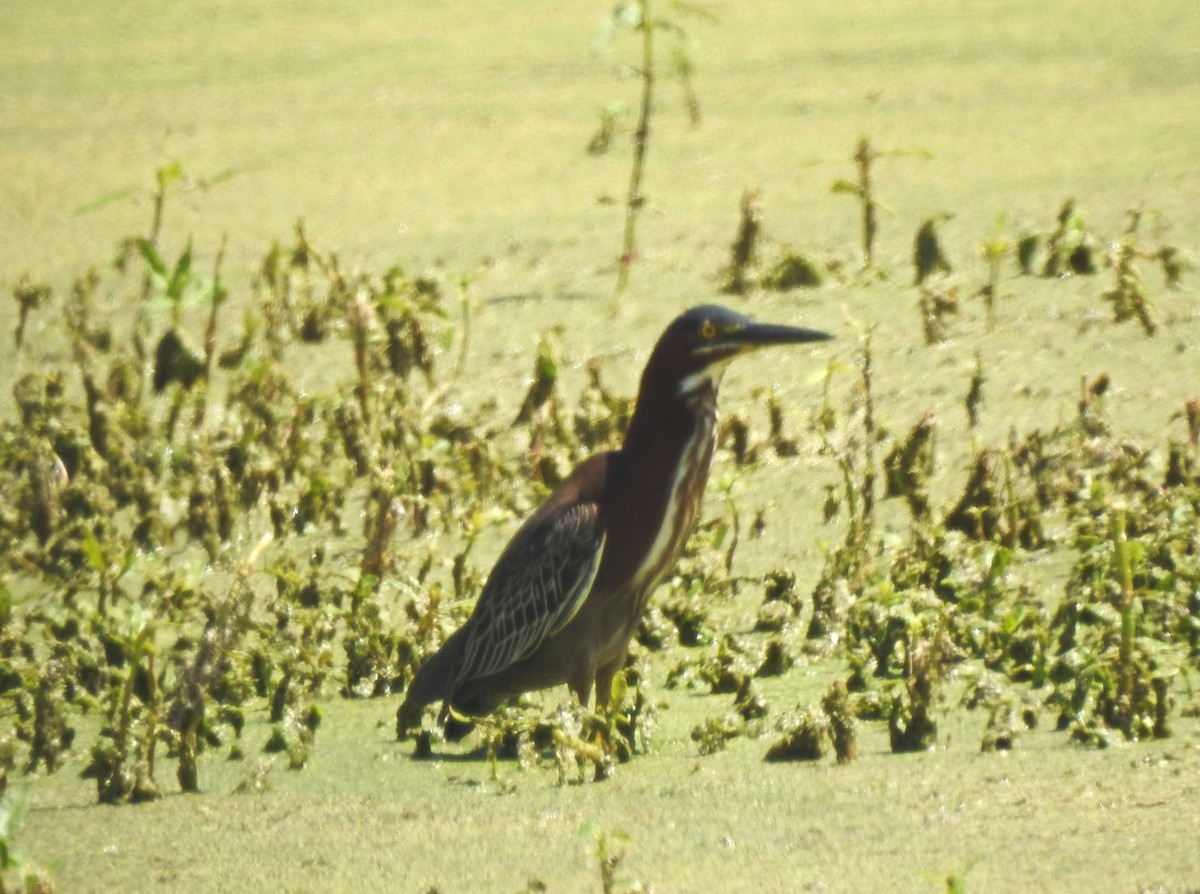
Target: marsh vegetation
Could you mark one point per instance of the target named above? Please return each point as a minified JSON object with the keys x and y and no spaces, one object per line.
{"x":944,"y":605}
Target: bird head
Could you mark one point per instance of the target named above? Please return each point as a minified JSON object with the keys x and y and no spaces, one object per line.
{"x":698,"y":345}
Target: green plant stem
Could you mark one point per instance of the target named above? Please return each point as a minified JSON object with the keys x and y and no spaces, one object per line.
{"x":360,"y":325}
{"x":1125,"y":580}
{"x":869,"y":434}
{"x":863,"y":158}
{"x":219,"y":294}
{"x":641,"y":142}
{"x":217,"y":299}
{"x":141,"y":318}
{"x":465,"y":342}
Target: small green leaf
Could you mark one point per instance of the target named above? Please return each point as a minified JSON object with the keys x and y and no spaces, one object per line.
{"x":181,"y":275}
{"x":127,"y":562}
{"x":93,"y":553}
{"x":221,"y":176}
{"x":168,"y":174}
{"x":618,"y":691}
{"x":149,"y":252}
{"x":107,"y":199}
{"x":546,"y":367}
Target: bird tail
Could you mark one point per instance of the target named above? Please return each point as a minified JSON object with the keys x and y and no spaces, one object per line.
{"x":433,"y":677}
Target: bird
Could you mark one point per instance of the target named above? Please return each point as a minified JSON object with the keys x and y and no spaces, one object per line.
{"x":567,"y":593}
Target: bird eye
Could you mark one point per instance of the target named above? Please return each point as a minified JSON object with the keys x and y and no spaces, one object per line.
{"x":708,"y":330}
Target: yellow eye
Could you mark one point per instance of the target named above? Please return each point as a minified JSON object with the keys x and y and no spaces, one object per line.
{"x":708,"y":330}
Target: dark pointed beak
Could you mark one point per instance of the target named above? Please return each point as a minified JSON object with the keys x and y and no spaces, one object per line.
{"x":759,"y":335}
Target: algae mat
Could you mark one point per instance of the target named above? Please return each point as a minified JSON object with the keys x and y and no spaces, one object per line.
{"x":452,"y":136}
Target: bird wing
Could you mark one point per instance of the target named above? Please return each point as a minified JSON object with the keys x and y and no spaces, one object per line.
{"x":536,"y":588}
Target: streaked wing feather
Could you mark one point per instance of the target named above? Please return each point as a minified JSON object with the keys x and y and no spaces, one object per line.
{"x":537,"y":586}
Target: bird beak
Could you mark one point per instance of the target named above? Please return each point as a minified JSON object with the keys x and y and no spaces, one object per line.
{"x":758,"y":335}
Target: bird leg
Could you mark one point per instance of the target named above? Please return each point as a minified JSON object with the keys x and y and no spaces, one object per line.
{"x":604,"y":680}
{"x":582,"y":690}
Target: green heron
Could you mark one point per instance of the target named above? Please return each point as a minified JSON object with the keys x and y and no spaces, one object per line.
{"x":569,"y":590}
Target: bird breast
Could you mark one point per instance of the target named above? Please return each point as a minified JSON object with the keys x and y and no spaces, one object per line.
{"x":682,"y":505}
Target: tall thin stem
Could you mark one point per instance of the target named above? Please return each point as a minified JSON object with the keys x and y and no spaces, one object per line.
{"x":641,"y":142}
{"x":864,"y":158}
{"x":1124,"y":570}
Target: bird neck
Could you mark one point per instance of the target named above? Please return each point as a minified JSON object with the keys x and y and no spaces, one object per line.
{"x":660,"y":473}
{"x":671,"y":417}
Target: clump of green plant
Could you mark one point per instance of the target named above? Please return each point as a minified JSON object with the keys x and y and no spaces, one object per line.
{"x":909,"y":464}
{"x":929,"y":257}
{"x":29,"y":294}
{"x":782,"y":603}
{"x":993,"y":506}
{"x":610,"y":852}
{"x":743,"y":252}
{"x":750,"y":711}
{"x":1010,"y":714}
{"x":141,"y":467}
{"x":911,"y":722}
{"x":994,"y":250}
{"x":567,"y":738}
{"x":1071,"y":248}
{"x":714,"y":733}
{"x":1182,"y":455}
{"x":883,"y":626}
{"x":795,"y":271}
{"x":1028,"y":244}
{"x":621,"y":730}
{"x":1128,"y":296}
{"x":576,"y":750}
{"x":725,"y":670}
{"x":783,"y":270}
{"x":937,"y":303}
{"x":863,"y":189}
{"x":843,"y":725}
{"x":803,"y":737}
{"x":601,"y":415}
{"x":294,"y":733}
{"x":47,"y":731}
{"x":933,"y":603}
{"x":1125,"y":629}
{"x":806,"y":733}
{"x":199,"y":671}
{"x":122,"y":759}
{"x":852,"y":445}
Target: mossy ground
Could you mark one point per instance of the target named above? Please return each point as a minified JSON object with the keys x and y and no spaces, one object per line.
{"x":453,"y":138}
